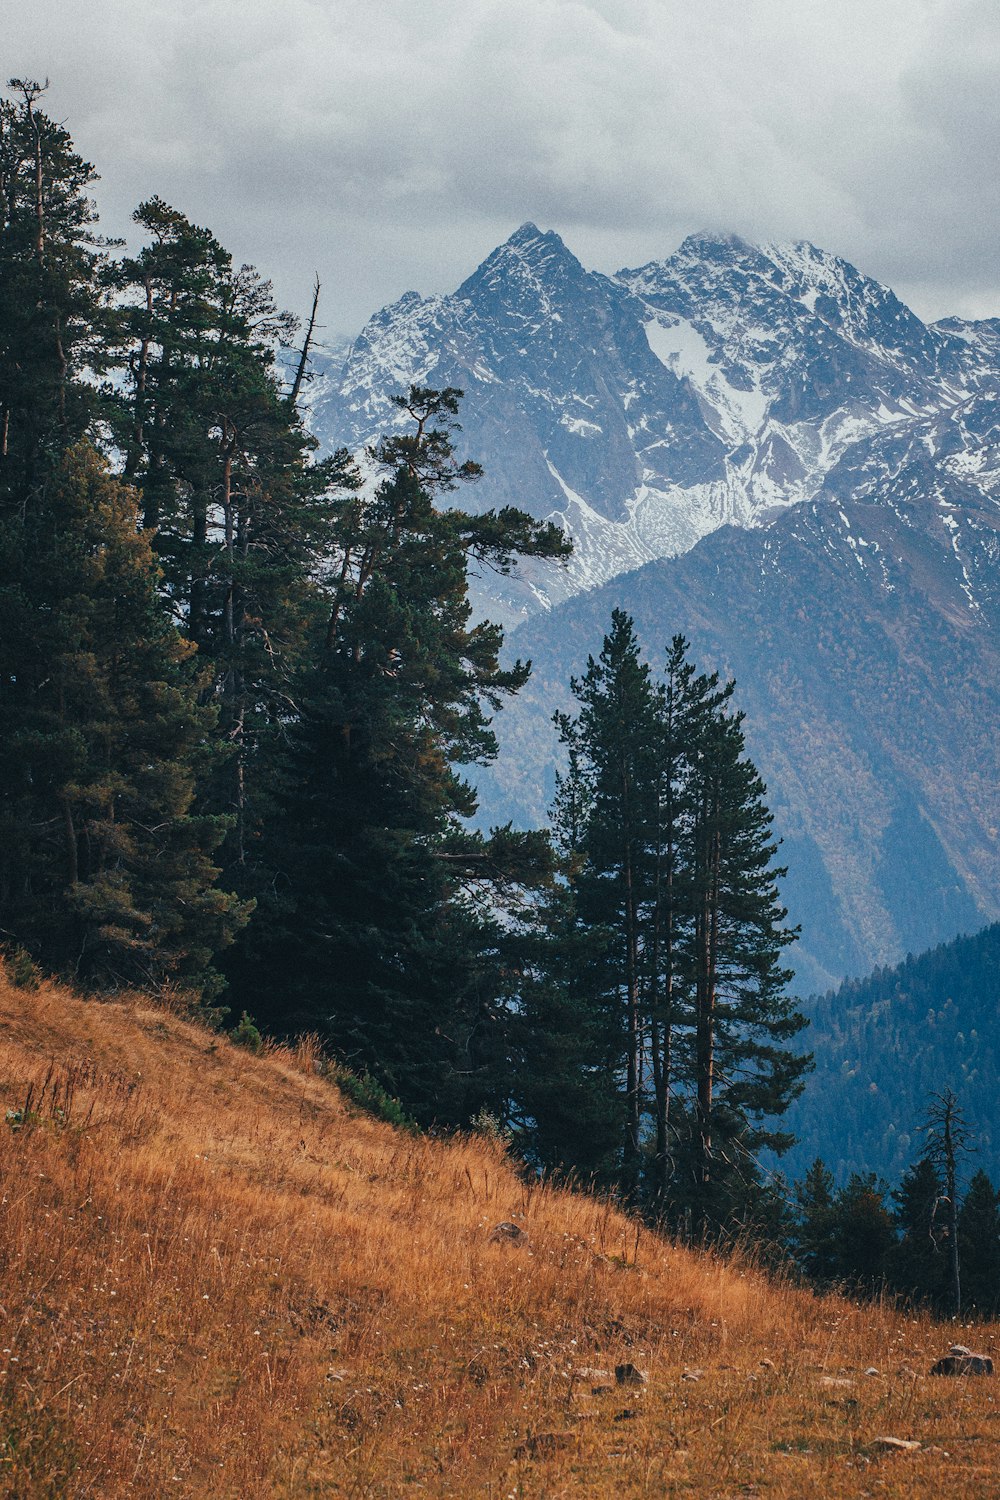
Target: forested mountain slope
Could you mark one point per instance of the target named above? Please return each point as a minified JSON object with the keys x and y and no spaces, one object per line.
{"x":884,"y":1044}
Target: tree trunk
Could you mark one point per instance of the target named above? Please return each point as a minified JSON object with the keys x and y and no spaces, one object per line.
{"x":300,"y":372}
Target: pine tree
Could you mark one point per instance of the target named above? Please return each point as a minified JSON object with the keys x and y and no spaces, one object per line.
{"x":919,"y":1266}
{"x":380,"y":929}
{"x":687,"y":705}
{"x":675,"y":864}
{"x":240,"y":517}
{"x":863,"y":1234}
{"x":741,"y":1069}
{"x":568,"y":1041}
{"x":979,"y":1237}
{"x":614,"y":735}
{"x":813,"y":1238}
{"x":104,"y":872}
{"x":54,"y":312}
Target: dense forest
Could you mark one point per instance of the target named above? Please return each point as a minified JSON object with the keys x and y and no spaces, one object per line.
{"x":885,"y":1043}
{"x":241,"y":690}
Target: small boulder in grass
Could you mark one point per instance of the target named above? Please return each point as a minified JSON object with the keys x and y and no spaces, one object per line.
{"x":628,"y":1374}
{"x":965,"y":1363}
{"x":506,"y":1233}
{"x":599,"y":1381}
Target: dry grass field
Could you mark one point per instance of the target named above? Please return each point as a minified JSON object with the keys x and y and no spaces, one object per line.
{"x":219,"y":1280}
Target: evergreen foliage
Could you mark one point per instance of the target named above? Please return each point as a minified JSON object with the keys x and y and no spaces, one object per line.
{"x":938,"y":1010}
{"x":671,"y":860}
{"x":863,"y":1235}
{"x":240,"y":519}
{"x":926,"y":1247}
{"x":567,"y":1107}
{"x":381,"y":924}
{"x":979,"y":1240}
{"x":919,"y":1263}
{"x":812,"y":1236}
{"x":105,"y":871}
{"x":54,"y":312}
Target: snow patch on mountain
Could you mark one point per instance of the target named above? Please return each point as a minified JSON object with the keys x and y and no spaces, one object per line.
{"x":642,"y":411}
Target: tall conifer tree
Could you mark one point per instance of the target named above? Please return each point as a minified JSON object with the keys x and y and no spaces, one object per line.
{"x":380,"y":929}
{"x":55,"y":318}
{"x":979,"y":1237}
{"x":105,"y":873}
{"x":614,"y":736}
{"x":919,"y":1264}
{"x":239,"y":516}
{"x":741,"y":1067}
{"x":675,"y":864}
{"x":566,"y":1095}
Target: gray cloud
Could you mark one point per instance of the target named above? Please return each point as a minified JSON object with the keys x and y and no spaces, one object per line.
{"x":391,"y":145}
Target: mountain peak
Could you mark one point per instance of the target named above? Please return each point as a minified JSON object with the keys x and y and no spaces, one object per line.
{"x":530,"y":258}
{"x":528,"y":231}
{"x":711,"y":243}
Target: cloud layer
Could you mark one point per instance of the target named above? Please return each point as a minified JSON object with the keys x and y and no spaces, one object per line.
{"x":391,"y":144}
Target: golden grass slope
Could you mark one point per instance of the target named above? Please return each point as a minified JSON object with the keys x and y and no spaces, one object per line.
{"x":218,"y":1280}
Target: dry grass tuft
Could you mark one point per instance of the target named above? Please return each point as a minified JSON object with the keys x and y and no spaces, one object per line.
{"x":218,"y":1279}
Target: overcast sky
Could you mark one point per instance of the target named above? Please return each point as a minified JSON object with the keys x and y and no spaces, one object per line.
{"x":390,"y":144}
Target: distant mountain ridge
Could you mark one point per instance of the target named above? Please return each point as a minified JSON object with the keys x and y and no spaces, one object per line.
{"x":766,"y":450}
{"x":646,"y":409}
{"x":872,"y":692}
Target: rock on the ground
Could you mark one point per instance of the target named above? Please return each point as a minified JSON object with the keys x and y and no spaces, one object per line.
{"x":963,"y":1364}
{"x":628,"y":1374}
{"x":508,"y":1234}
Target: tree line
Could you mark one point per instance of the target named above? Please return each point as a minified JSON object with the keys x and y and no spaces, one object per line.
{"x":927,"y":1241}
{"x":241,"y":688}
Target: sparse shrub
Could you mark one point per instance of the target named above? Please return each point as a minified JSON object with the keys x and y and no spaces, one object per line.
{"x":22,"y":971}
{"x":487,"y":1124}
{"x":247,"y":1034}
{"x":368,"y":1094}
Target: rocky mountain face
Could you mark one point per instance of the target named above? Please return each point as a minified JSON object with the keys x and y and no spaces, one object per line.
{"x":865,"y":642}
{"x":764,"y":449}
{"x":645,"y":410}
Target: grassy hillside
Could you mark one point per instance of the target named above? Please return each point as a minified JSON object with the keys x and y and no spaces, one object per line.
{"x":219,"y":1280}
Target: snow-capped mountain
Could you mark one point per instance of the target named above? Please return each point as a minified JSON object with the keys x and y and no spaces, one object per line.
{"x":646,"y":409}
{"x":764,"y":449}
